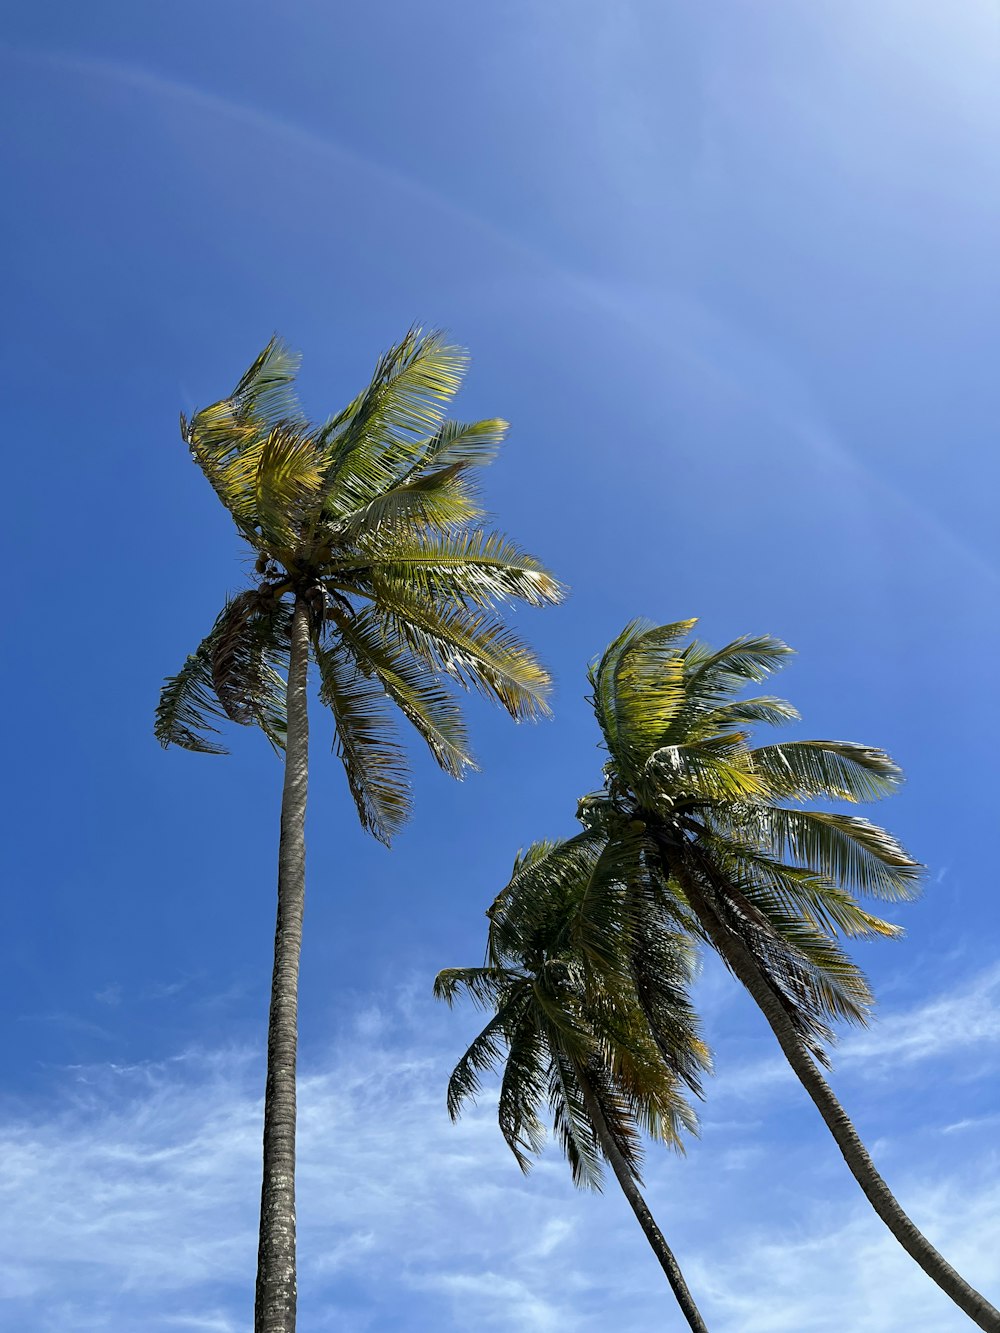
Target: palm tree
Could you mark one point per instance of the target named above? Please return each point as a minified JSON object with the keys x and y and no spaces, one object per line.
{"x":369,"y":563}
{"x":577,"y":1039}
{"x":714,"y":829}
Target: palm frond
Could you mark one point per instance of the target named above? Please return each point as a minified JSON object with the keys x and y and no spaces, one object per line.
{"x":189,"y":707}
{"x":472,"y":647}
{"x":574,"y":1131}
{"x":838,"y":770}
{"x":523,"y":1087}
{"x":530,"y":916}
{"x":844,"y":849}
{"x":694,"y":772}
{"x":414,"y":687}
{"x":638,"y":688}
{"x":249,"y":644}
{"x":384,"y":430}
{"x":771,"y":711}
{"x":219,"y":434}
{"x":478,"y":567}
{"x":824,"y":904}
{"x":365,"y":742}
{"x":286,"y":485}
{"x":441,"y":500}
{"x":265,"y":391}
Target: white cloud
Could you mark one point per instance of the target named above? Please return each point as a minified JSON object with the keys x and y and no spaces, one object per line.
{"x":133,"y":1205}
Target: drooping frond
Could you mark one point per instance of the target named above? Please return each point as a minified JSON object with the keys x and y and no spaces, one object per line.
{"x":844,"y":849}
{"x":485,"y":1053}
{"x":365,"y":741}
{"x":474,"y":648}
{"x":523,"y":1086}
{"x":810,"y":975}
{"x":248,"y":646}
{"x":233,"y":675}
{"x":827,"y":905}
{"x":413,"y":686}
{"x":189,"y":706}
{"x":574,"y":1131}
{"x":837,"y":770}
{"x":484,"y":985}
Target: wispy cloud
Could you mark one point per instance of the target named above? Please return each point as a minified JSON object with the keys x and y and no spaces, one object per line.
{"x":132,"y":1203}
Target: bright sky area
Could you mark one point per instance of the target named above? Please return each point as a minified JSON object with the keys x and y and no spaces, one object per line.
{"x":730,"y":271}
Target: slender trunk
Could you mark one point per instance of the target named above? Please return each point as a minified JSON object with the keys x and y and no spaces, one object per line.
{"x":638,"y":1205}
{"x":743,"y":965}
{"x":274,"y":1310}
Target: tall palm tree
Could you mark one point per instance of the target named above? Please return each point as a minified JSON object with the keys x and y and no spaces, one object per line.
{"x":577,"y":1039}
{"x":369,"y":563}
{"x":715,"y":830}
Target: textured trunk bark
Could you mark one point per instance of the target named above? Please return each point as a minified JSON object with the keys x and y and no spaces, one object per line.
{"x":638,"y":1205}
{"x":274,"y":1309}
{"x":743,"y":965}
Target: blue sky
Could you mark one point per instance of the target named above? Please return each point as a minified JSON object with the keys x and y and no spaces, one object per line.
{"x":730,"y":272}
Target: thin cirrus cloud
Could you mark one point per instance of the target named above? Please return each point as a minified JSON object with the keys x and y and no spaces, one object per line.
{"x":132,"y":1203}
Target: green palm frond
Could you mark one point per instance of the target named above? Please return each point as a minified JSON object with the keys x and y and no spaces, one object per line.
{"x":189,"y":707}
{"x":249,"y":644}
{"x":529,"y":916}
{"x":771,"y":711}
{"x":219,"y":434}
{"x":484,"y":985}
{"x":750,"y":658}
{"x":838,"y":770}
{"x":233,"y":675}
{"x":383,"y":433}
{"x":265,"y":392}
{"x":692,"y":772}
{"x":486,"y":1052}
{"x":287,"y":483}
{"x":574,"y":1131}
{"x":442,"y":500}
{"x":523,"y":1087}
{"x":819,"y":900}
{"x":365,"y":741}
{"x":477,"y":567}
{"x":638,"y":687}
{"x":473,"y":444}
{"x":472,"y":647}
{"x":414,"y":687}
{"x":845,"y":849}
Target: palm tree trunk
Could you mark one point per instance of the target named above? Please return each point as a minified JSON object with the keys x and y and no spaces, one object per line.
{"x":638,"y":1205}
{"x":742,"y":964}
{"x":274,"y":1310}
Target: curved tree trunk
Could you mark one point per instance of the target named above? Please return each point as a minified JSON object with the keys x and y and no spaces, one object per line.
{"x":742,"y":964}
{"x":638,"y":1205}
{"x":274,"y":1310}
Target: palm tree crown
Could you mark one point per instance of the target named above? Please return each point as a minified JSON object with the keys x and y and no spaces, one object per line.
{"x":575,"y":1040}
{"x":372,"y":520}
{"x":714,"y":823}
{"x":717,"y":831}
{"x":562,"y":1022}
